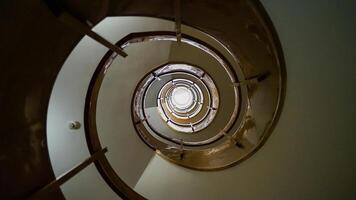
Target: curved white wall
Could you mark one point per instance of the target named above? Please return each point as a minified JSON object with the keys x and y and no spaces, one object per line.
{"x":68,"y":147}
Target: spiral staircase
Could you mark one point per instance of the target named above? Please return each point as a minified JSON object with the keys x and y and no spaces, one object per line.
{"x":181,"y":100}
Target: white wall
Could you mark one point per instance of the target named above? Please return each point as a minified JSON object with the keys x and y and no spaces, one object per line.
{"x":67,"y":148}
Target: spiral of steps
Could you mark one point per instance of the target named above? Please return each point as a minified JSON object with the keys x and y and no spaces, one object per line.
{"x":177,"y":99}
{"x":188,"y":102}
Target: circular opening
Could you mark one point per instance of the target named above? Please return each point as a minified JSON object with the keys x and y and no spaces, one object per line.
{"x":182,"y":97}
{"x":176,"y":98}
